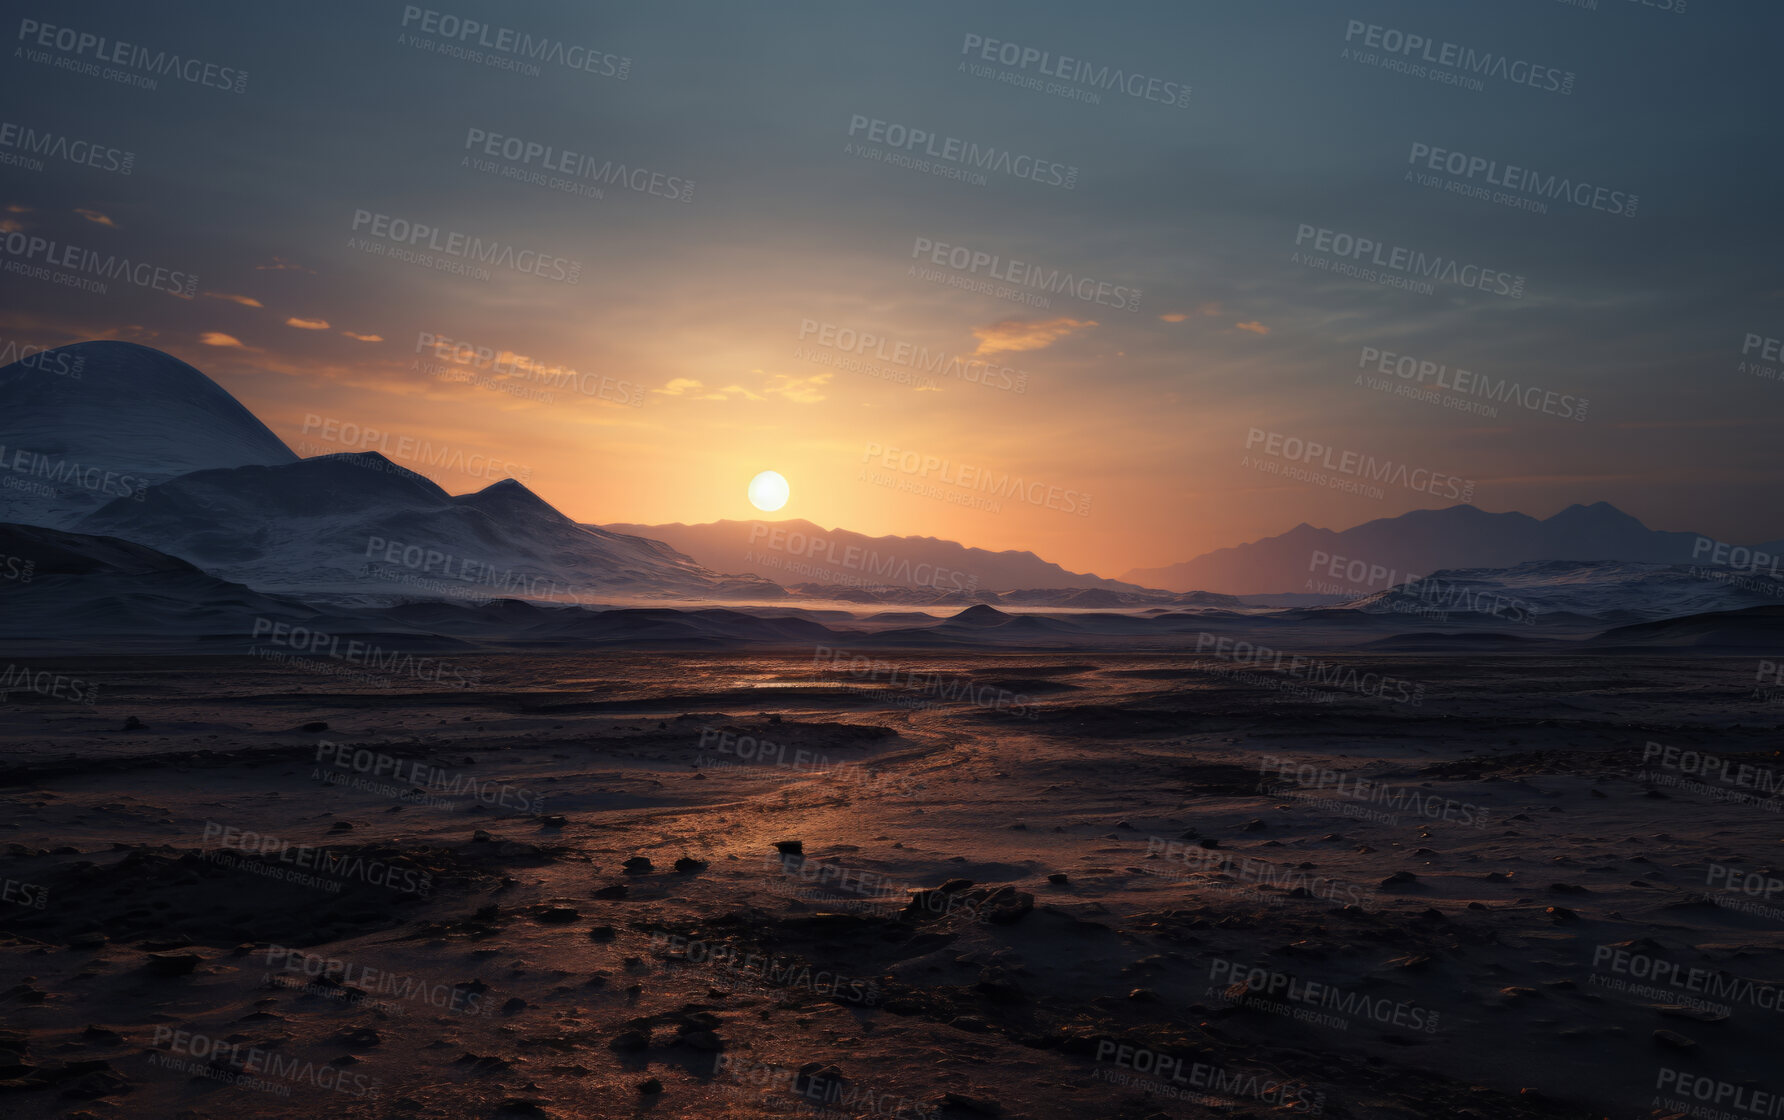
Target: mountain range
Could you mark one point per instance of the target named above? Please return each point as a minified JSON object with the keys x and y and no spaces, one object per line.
{"x":145,"y":448}
{"x":180,"y":499}
{"x":1378,"y":554}
{"x":799,"y":552}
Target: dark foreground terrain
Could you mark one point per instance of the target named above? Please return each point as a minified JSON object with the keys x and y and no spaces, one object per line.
{"x":748,"y":886}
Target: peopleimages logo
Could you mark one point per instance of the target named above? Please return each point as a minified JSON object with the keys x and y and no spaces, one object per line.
{"x":906,"y":355}
{"x":83,"y":44}
{"x":29,"y":142}
{"x":1410,"y":371}
{"x":1522,"y":180}
{"x":959,"y":258}
{"x":409,"y":449}
{"x":521,"y":155}
{"x":106,"y":266}
{"x":978,"y":479}
{"x":515,"y":44}
{"x":1699,"y":1091}
{"x":305,"y":642}
{"x":58,"y":472}
{"x":506,"y":371}
{"x":1170,"y":1076}
{"x":57,"y":362}
{"x":420,"y":236}
{"x":1401,"y":47}
{"x":1110,"y":79}
{"x":967,"y":153}
{"x":1349,"y":247}
{"x":1354,"y":464}
{"x":854,"y":558}
{"x":228,"y":1060}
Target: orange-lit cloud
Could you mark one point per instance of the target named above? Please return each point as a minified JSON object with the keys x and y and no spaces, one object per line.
{"x":799,"y":390}
{"x":15,"y":208}
{"x":364,"y":337}
{"x":307,"y":324}
{"x":280,"y":264}
{"x":96,"y":218}
{"x":1015,"y":334}
{"x":218,"y":338}
{"x":245,"y":301}
{"x":1174,"y":317}
{"x":9,"y":225}
{"x":1254,"y":327}
{"x":697,"y":390}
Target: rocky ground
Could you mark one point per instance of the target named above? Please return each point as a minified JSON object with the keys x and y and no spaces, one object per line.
{"x":734,"y":886}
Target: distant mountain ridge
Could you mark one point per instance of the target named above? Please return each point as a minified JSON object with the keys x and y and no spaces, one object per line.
{"x":1378,"y":554}
{"x":797,"y":551}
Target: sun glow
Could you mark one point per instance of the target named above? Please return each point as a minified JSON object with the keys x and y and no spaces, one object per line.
{"x":769,"y":491}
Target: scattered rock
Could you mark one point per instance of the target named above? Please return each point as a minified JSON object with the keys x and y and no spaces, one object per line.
{"x":172,"y":964}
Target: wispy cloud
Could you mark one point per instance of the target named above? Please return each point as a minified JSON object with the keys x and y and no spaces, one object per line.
{"x":1019,"y":334}
{"x":245,"y":301}
{"x":799,"y":390}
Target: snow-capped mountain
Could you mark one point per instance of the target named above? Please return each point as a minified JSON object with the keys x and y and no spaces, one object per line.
{"x":84,"y":425}
{"x":1608,"y":590}
{"x":361,"y":527}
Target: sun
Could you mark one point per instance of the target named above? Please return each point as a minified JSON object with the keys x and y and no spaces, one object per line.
{"x":768,"y":491}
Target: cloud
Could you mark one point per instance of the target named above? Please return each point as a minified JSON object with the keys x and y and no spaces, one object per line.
{"x":697,"y":390}
{"x":8,"y":225}
{"x":1015,"y":334}
{"x":799,"y":390}
{"x":364,"y":337}
{"x":307,"y":324}
{"x":1174,"y":317}
{"x":15,"y":208}
{"x":1254,"y":327}
{"x":218,"y":338}
{"x":96,"y":218}
{"x":280,"y":264}
{"x":245,"y":301}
